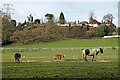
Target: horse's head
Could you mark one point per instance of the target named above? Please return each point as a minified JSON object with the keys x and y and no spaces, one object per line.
{"x":101,"y":50}
{"x":62,"y":56}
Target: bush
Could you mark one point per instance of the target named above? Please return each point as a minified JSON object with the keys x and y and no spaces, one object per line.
{"x":111,"y":28}
{"x":89,"y":34}
{"x":101,"y":31}
{"x":40,"y":34}
{"x":75,"y":32}
{"x":7,"y":30}
{"x":118,"y":31}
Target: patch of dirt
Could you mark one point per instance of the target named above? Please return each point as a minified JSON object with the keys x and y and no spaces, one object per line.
{"x":63,"y":60}
{"x":42,"y":61}
{"x":103,"y":61}
{"x":54,"y":61}
{"x":29,"y":61}
{"x":47,"y":61}
{"x":98,"y":61}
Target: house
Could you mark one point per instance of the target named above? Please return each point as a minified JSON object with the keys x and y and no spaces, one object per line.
{"x":72,"y":23}
{"x":64,"y":24}
{"x":58,"y":24}
{"x":93,"y":22}
{"x":83,"y":23}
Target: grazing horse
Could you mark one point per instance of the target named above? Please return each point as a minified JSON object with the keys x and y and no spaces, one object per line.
{"x":58,"y":56}
{"x":17,"y":56}
{"x":113,"y":48}
{"x":93,"y":52}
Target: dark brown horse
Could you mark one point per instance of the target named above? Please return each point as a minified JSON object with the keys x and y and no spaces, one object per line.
{"x":17,"y":56}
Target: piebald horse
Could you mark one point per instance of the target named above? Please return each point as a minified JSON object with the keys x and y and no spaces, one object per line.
{"x":93,"y":52}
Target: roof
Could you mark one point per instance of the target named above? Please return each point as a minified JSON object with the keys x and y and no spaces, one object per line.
{"x":71,"y":23}
{"x":93,"y":21}
{"x":84,"y":22}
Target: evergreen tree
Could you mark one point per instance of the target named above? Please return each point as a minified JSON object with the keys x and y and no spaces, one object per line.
{"x":62,"y":18}
{"x":13,"y":22}
{"x":37,"y":21}
{"x":49,"y":16}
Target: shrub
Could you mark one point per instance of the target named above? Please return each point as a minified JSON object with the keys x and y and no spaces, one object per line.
{"x":75,"y":32}
{"x":89,"y":34}
{"x":101,"y":31}
{"x":36,"y":35}
{"x":7,"y":31}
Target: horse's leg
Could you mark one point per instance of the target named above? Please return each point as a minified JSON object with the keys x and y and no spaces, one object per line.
{"x":93,"y":58}
{"x":18,"y":59}
{"x":85,"y":58}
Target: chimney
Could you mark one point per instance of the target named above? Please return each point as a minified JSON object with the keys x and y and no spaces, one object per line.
{"x":78,"y":21}
{"x":75,"y":22}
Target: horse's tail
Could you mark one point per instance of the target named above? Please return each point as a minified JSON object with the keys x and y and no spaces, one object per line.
{"x":83,"y":55}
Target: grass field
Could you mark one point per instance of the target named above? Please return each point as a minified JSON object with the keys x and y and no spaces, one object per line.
{"x":71,"y":43}
{"x":41,"y":64}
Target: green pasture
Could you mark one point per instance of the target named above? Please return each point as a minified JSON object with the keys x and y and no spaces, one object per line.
{"x":72,"y":43}
{"x":41,"y":64}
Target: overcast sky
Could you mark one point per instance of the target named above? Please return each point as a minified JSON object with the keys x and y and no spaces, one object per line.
{"x":73,"y":10}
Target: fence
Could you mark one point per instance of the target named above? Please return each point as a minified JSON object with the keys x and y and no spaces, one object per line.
{"x":49,"y":49}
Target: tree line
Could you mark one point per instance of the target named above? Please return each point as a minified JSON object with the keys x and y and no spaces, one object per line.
{"x":34,"y":31}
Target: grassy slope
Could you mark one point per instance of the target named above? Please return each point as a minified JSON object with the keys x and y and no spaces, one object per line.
{"x":68,"y":43}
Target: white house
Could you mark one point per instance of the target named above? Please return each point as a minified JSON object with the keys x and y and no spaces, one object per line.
{"x":94,"y":25}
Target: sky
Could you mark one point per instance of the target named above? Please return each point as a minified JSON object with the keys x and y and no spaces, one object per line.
{"x":72,"y":10}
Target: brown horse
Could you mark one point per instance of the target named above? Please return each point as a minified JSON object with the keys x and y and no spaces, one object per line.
{"x":17,"y":56}
{"x":58,"y":56}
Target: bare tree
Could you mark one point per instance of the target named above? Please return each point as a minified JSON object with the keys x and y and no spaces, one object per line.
{"x":108,"y":18}
{"x":30,"y":18}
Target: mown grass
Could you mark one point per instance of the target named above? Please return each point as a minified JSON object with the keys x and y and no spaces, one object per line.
{"x":41,"y":64}
{"x":71,"y":43}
